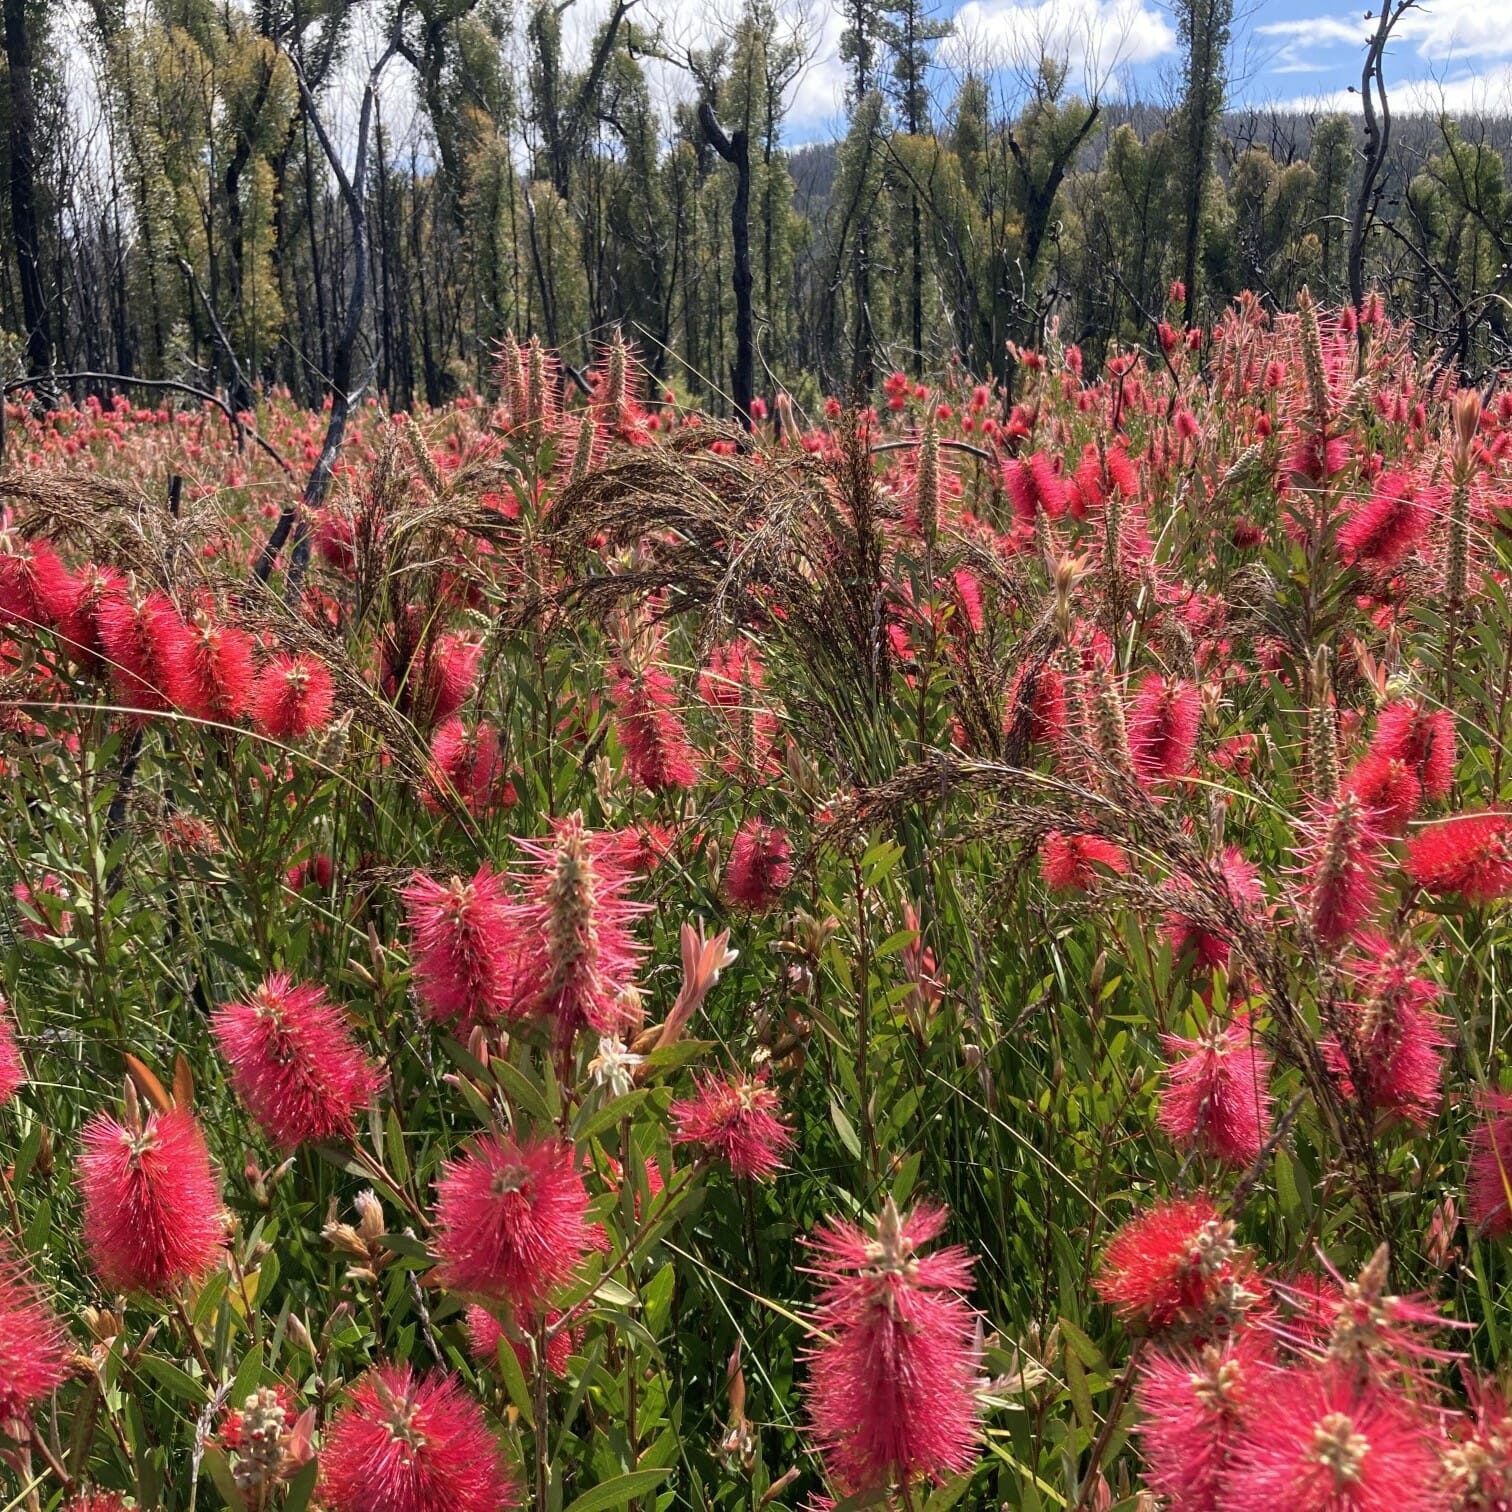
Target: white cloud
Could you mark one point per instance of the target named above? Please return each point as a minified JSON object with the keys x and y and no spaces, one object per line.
{"x":1485,"y":93}
{"x":1441,"y":31}
{"x":1094,"y":38}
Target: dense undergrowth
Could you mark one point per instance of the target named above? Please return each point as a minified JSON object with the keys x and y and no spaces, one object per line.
{"x":945,"y":956}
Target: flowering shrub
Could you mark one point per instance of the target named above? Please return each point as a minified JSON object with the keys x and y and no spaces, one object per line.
{"x":954,"y":958}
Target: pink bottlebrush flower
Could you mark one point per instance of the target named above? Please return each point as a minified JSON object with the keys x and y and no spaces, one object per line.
{"x":1391,"y":1051}
{"x":408,"y":1443}
{"x":1033,"y":483}
{"x":97,"y":1501}
{"x":147,"y":647}
{"x":294,"y":697}
{"x":511,"y":1220}
{"x":218,"y":672}
{"x":12,"y":1069}
{"x":485,"y":1333}
{"x":1477,"y":1460}
{"x":1388,"y":787}
{"x":577,"y":919}
{"x":1176,"y":1266}
{"x":734,"y":1121}
{"x":294,"y":1063}
{"x":1208,"y":945}
{"x":1342,"y":866}
{"x":1163,"y":728}
{"x":1382,"y":530}
{"x":1071,"y":863}
{"x":1488,"y":1178}
{"x":1216,"y":1096}
{"x":315,"y":871}
{"x":1036,"y":703}
{"x":152,"y":1208}
{"x":760,"y":866}
{"x":1469,"y":855}
{"x":79,"y":624}
{"x":1422,"y":738}
{"x":33,"y":1346}
{"x":467,"y":952}
{"x":50,"y":922}
{"x":892,"y":1387}
{"x":658,"y":757}
{"x":1327,"y":1440}
{"x":444,"y":679}
{"x":36,"y":589}
{"x":465,"y":764}
{"x":1195,"y":1404}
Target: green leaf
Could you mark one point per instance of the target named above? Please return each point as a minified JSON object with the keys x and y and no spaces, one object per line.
{"x":949,"y":1494}
{"x":1086,"y":1351}
{"x":845,"y":1129}
{"x":171,"y":1378}
{"x":302,"y":1487}
{"x":1081,"y":1396}
{"x":514,"y":1380}
{"x":620,"y":1491}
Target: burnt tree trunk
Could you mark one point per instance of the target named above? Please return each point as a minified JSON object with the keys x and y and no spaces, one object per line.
{"x":23,"y":187}
{"x":736,"y":150}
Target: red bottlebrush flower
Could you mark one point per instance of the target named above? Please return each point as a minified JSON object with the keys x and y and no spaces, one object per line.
{"x":760,"y":866}
{"x":36,"y":589}
{"x":485,"y":1333}
{"x":51,"y":921}
{"x":79,"y":626}
{"x":1391,"y":1055}
{"x":467,"y":953}
{"x":1177,"y":1267}
{"x":1321,"y":1440}
{"x":658,"y":756}
{"x":12,"y":1070}
{"x":97,"y":1501}
{"x":1204,"y":938}
{"x":1163,"y":728}
{"x":408,"y":1443}
{"x":1488,"y":1178}
{"x":511,"y":1220}
{"x":1034,"y":484}
{"x":1422,"y":738}
{"x":891,"y":1392}
{"x":1388,"y":787}
{"x":465,"y":763}
{"x":218,"y":673}
{"x":294,"y":697}
{"x":1478,"y":1460}
{"x":577,"y":918}
{"x":1341,"y":864}
{"x":317,"y":871}
{"x":1070,"y":863}
{"x":152,"y":1208}
{"x":147,"y":646}
{"x":1195,"y":1405}
{"x":1469,"y":855}
{"x":442,"y":681}
{"x":737,"y":1122}
{"x":1382,"y":530}
{"x":33,"y":1345}
{"x":1216,"y":1097}
{"x":1037,"y":703}
{"x":294,"y":1063}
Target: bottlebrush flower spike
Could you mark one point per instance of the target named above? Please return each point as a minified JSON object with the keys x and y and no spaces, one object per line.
{"x":12,"y":1069}
{"x":408,"y":1443}
{"x":466,"y":766}
{"x":1382,"y":531}
{"x":294,"y":1063}
{"x":1388,"y":787}
{"x":1341,"y":865}
{"x":1423,"y":738}
{"x":485,"y":1333}
{"x":1488,"y":1181}
{"x":1192,"y":927}
{"x":892,"y":1388}
{"x":1469,"y":855}
{"x":1216,"y":1097}
{"x":147,"y":647}
{"x":658,"y":757}
{"x":1325,"y":1440}
{"x":1163,"y":728}
{"x":1195,"y":1404}
{"x":1177,"y":1267}
{"x":467,"y":953}
{"x":1072,"y":863}
{"x":33,"y":1345}
{"x":511,"y":1220}
{"x":218,"y":672}
{"x":1391,"y":1053}
{"x":1478,"y":1460}
{"x":577,"y":918}
{"x":735,"y":1121}
{"x":152,"y":1208}
{"x":294,"y":697}
{"x":1036,"y":704}
{"x":760,"y":866}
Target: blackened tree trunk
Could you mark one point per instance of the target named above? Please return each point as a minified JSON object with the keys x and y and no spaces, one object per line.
{"x":736,"y":150}
{"x":23,"y":187}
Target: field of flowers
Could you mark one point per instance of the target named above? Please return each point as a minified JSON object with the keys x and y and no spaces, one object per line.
{"x":944,"y":956}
